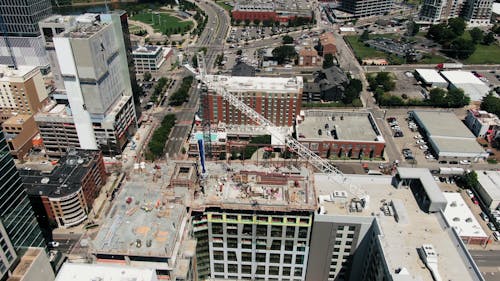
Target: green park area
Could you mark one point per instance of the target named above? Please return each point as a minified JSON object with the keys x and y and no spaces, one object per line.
{"x":485,"y":54}
{"x":164,"y":23}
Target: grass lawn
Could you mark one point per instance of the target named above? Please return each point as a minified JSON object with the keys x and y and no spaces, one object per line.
{"x":485,"y":55}
{"x":225,"y":6}
{"x":164,"y":23}
{"x":432,"y":59}
{"x":361,"y":51}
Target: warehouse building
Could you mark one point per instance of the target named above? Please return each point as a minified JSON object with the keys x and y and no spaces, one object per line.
{"x":489,"y":188}
{"x":430,"y":78}
{"x":472,"y":86}
{"x":450,"y":139}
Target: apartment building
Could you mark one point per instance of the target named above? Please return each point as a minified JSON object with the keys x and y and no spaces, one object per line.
{"x":93,"y":65}
{"x":437,"y":11}
{"x":64,"y":196}
{"x":256,"y":223}
{"x":277,"y":99}
{"x":22,"y":91}
{"x":477,"y":12}
{"x":20,"y":18}
{"x":366,"y":8}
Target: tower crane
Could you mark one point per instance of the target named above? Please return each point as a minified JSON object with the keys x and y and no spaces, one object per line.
{"x":323,"y":165}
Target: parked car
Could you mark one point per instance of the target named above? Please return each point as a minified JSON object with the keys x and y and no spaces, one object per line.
{"x":420,"y":142}
{"x":475,"y":201}
{"x":469,"y":192}
{"x":492,"y":226}
{"x":496,"y":234}
{"x":465,"y":162}
{"x":418,"y":136}
{"x":53,"y":244}
{"x":429,"y":157}
{"x":485,"y":217}
{"x":424,"y":147}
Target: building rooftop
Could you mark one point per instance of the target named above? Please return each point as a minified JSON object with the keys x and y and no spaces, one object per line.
{"x":327,"y":38}
{"x":459,"y":216}
{"x":86,"y":272}
{"x":490,"y":181}
{"x":400,"y":240}
{"x":458,"y":145}
{"x":146,"y":49}
{"x":25,"y":264}
{"x":146,"y":218}
{"x":64,"y":179}
{"x":16,"y":120}
{"x":257,"y":84}
{"x":426,"y":179}
{"x":430,"y":76}
{"x":485,"y":117}
{"x":337,"y":125}
{"x":472,"y":86}
{"x":243,"y":69}
{"x":250,"y":187}
{"x":22,"y":73}
{"x":443,"y":123}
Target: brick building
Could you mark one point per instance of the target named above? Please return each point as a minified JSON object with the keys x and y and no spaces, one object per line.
{"x":328,"y":44}
{"x":277,"y":99}
{"x":309,"y":57}
{"x":64,"y":196}
{"x":335,"y":134}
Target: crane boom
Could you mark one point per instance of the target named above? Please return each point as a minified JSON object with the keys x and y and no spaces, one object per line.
{"x":301,"y":150}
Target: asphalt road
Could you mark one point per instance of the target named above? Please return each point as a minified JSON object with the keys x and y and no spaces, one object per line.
{"x":488,"y":262}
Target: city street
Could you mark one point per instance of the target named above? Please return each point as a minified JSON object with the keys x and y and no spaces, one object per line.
{"x":487,"y":261}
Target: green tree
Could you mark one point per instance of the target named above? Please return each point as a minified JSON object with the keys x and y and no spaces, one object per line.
{"x":470,"y":180}
{"x":457,"y":25}
{"x":239,"y":52}
{"x":437,"y":97}
{"x":491,"y":103}
{"x":287,"y":39}
{"x":457,"y":98}
{"x":328,"y":61}
{"x":256,"y":21}
{"x":194,"y":61}
{"x":489,"y":38}
{"x":412,"y":28}
{"x":147,"y":76}
{"x":385,"y":80}
{"x":364,"y":36}
{"x":461,"y":48}
{"x":284,"y":53}
{"x":352,"y":91}
{"x":477,"y":35}
{"x":247,"y":22}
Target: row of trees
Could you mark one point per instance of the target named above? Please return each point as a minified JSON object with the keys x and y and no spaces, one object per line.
{"x":159,"y":89}
{"x":382,"y":83}
{"x":182,"y":94}
{"x":491,"y":103}
{"x":454,"y":45}
{"x":157,"y":143}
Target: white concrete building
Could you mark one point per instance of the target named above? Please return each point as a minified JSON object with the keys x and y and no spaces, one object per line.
{"x":489,"y":188}
{"x":93,"y":64}
{"x":430,"y":77}
{"x":85,"y":272}
{"x":150,"y":58}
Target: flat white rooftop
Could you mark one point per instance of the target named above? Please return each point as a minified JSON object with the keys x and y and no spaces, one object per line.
{"x":257,"y":84}
{"x":86,"y":272}
{"x":490,"y":182}
{"x":459,"y":216}
{"x":430,"y":76}
{"x":472,"y":86}
{"x":400,"y":240}
{"x":21,"y":73}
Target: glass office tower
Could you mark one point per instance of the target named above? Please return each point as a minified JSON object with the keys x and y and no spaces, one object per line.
{"x":16,"y":213}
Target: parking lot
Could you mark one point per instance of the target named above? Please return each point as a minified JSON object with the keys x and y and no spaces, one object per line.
{"x":411,"y":140}
{"x":408,"y":85}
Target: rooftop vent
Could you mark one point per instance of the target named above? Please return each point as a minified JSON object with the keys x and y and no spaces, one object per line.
{"x":45,"y":180}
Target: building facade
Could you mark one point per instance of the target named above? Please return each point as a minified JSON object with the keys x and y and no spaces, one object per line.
{"x":481,"y":123}
{"x":309,"y":57}
{"x":477,"y":12}
{"x":366,"y":8}
{"x":15,"y":210}
{"x":8,"y":255}
{"x":66,"y":194}
{"x":22,"y":91}
{"x":277,"y":99}
{"x":20,"y":130}
{"x":150,"y":58}
{"x":20,"y":18}
{"x":94,"y":67}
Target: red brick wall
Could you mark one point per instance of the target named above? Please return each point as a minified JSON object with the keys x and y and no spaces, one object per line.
{"x":252,"y":15}
{"x":340,"y":148}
